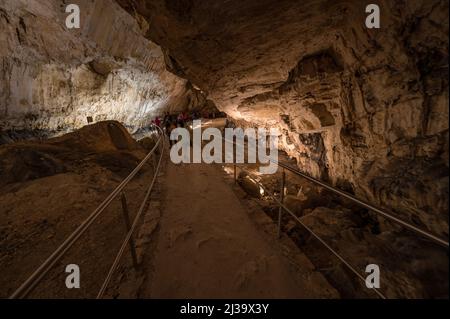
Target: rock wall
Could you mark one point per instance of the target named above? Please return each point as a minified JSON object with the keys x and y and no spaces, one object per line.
{"x":365,"y":109}
{"x":54,"y":78}
{"x":370,"y":114}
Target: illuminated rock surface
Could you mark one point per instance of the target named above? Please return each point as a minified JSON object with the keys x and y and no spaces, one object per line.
{"x":364,"y":109}
{"x":54,"y":78}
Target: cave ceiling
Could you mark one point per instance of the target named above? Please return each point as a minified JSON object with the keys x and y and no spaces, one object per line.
{"x":235,"y":50}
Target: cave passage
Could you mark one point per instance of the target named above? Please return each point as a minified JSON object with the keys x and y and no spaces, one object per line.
{"x":346,"y":197}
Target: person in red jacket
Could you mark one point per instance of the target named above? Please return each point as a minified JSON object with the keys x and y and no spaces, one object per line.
{"x":157,"y":121}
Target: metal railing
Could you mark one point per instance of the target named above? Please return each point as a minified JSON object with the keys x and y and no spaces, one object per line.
{"x":28,"y":286}
{"x":323,"y":242}
{"x":280,"y":201}
{"x":364,"y":204}
{"x":45,"y":267}
{"x":283,"y":207}
{"x":356,"y":200}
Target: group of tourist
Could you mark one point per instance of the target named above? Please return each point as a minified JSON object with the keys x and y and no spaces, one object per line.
{"x":172,"y":121}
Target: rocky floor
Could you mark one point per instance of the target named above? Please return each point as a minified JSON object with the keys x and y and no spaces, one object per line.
{"x":49,"y":188}
{"x":411,"y":267}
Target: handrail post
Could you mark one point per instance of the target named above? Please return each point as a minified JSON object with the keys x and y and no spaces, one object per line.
{"x":126,"y":217}
{"x":154,"y":162}
{"x":280,"y":210}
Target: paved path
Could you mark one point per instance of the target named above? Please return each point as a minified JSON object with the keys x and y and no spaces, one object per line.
{"x":209,"y":248}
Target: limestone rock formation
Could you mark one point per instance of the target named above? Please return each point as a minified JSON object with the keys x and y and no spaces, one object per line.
{"x":55,"y":78}
{"x":365,"y":109}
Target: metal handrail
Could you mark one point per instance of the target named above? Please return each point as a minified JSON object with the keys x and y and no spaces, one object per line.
{"x":367,"y":205}
{"x":132,"y":229}
{"x":360,"y":202}
{"x":45,"y":267}
{"x":283,"y":207}
{"x":334,"y":252}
